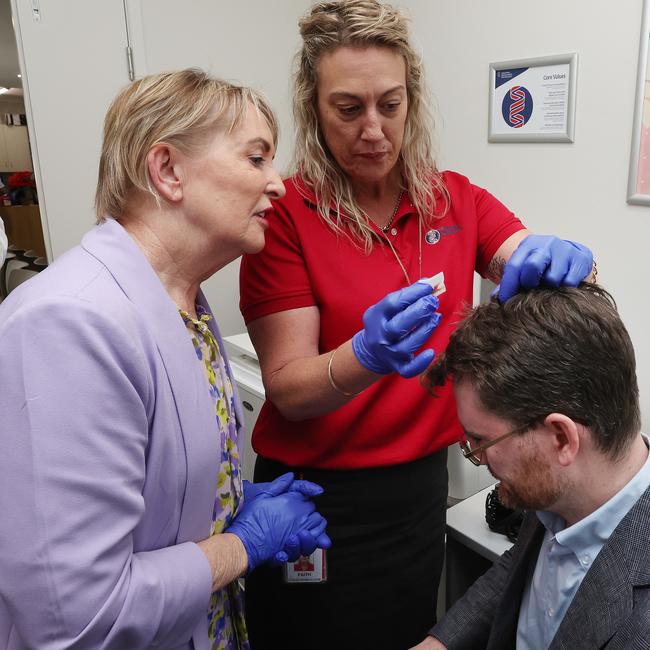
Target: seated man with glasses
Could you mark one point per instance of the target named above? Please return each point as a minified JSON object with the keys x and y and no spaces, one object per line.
{"x":547,"y":393}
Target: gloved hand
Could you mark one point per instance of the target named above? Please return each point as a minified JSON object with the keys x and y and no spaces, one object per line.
{"x":307,"y":539}
{"x":395,"y":328}
{"x":284,"y":483}
{"x":547,"y":260}
{"x":266,"y":522}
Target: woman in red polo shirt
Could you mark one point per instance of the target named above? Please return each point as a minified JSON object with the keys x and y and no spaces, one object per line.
{"x":341,"y":325}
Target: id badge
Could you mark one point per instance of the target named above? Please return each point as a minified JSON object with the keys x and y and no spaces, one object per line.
{"x":307,"y":568}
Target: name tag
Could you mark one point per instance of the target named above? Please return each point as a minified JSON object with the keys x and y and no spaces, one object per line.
{"x":307,"y":568}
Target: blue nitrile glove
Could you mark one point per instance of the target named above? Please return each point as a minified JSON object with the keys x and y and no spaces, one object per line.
{"x":265,"y":523}
{"x":395,"y":328}
{"x":253,"y":490}
{"x":307,"y":539}
{"x":546,"y":260}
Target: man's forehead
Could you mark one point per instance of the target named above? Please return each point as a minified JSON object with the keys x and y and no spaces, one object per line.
{"x":473,"y":415}
{"x":467,"y":396}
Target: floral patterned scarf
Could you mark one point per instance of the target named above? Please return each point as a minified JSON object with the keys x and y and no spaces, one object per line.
{"x":226,"y":625}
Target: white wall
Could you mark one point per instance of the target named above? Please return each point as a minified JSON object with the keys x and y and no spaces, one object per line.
{"x":574,"y":190}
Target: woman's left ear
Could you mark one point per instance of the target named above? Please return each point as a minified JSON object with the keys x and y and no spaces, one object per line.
{"x":565,"y":437}
{"x":164,"y":172}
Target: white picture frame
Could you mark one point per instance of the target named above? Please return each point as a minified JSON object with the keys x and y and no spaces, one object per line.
{"x":533,"y":100}
{"x":638,"y":184}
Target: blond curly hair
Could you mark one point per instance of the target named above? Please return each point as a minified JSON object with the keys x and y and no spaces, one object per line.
{"x":361,"y":23}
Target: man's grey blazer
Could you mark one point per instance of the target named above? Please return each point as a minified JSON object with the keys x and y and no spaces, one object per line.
{"x":611,"y":608}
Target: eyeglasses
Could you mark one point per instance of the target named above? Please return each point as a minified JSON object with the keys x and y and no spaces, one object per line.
{"x":474,"y":456}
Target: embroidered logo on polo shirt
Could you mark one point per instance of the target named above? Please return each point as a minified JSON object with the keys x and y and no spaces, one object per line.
{"x":434,"y":235}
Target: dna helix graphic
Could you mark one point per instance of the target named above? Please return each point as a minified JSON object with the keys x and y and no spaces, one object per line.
{"x":515,"y":114}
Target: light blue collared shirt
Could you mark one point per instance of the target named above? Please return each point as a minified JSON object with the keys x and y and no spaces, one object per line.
{"x":565,"y":557}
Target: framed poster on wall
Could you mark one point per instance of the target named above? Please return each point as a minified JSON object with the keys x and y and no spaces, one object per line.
{"x":638,"y":184}
{"x":533,"y":100}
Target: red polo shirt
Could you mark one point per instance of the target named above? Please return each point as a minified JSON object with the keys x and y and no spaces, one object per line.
{"x":305,"y":263}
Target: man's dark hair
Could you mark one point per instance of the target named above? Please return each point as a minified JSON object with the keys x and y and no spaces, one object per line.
{"x":547,"y":351}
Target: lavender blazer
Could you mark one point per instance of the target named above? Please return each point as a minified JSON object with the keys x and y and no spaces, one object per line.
{"x":108,"y":458}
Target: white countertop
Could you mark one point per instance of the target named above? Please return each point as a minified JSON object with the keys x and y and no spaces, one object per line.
{"x":466,"y":523}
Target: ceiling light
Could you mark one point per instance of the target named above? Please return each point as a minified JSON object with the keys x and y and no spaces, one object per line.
{"x":3,"y":90}
{"x":19,"y":76}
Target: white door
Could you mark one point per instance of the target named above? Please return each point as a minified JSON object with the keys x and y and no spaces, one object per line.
{"x":73,"y":60}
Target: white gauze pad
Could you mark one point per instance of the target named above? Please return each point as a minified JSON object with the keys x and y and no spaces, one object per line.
{"x":437,"y":282}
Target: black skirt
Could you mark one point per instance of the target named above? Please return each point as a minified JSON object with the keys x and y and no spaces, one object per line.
{"x":387,"y":526}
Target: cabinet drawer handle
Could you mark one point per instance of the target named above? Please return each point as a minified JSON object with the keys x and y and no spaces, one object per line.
{"x":247,"y":405}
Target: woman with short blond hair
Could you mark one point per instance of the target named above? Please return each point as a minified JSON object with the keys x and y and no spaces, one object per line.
{"x":120,"y":470}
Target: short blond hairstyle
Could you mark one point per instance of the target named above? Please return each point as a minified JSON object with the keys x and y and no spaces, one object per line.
{"x":362,"y":23}
{"x":183,"y":109}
